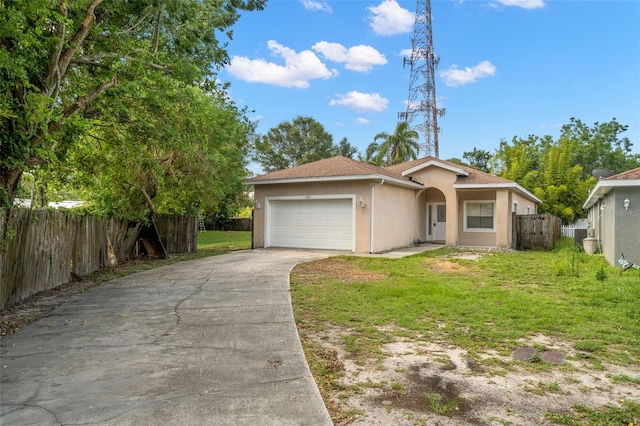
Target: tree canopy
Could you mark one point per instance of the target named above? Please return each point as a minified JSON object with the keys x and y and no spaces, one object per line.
{"x":478,"y":159}
{"x":559,"y":171}
{"x":291,"y":143}
{"x":73,"y":72}
{"x":194,"y":163}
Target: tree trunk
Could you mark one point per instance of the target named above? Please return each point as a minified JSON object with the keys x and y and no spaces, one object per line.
{"x":9,"y":179}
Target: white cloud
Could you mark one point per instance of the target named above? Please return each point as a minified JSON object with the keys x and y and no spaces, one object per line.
{"x":298,"y":70}
{"x":388,"y":18}
{"x":525,"y":4}
{"x":361,"y":101}
{"x":316,"y":6}
{"x":362,"y":120}
{"x":457,"y":77}
{"x":405,"y":53}
{"x":357,"y":58}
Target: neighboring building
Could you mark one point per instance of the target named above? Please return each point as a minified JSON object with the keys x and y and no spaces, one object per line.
{"x":342,"y":204}
{"x":68,"y":204}
{"x":613,"y":209}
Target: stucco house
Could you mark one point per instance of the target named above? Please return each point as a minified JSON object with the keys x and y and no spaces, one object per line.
{"x":613,"y":208}
{"x":342,"y":204}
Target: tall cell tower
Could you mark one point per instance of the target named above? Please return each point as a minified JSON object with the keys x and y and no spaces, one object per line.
{"x":422,"y":112}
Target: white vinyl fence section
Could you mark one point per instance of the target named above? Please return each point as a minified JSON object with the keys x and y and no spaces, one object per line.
{"x":570,"y":230}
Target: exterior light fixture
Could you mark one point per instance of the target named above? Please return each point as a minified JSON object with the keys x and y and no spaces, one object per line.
{"x":626,"y":203}
{"x":257,"y":204}
{"x":361,"y":202}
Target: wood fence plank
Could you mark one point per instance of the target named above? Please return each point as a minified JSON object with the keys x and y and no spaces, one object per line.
{"x":43,"y":248}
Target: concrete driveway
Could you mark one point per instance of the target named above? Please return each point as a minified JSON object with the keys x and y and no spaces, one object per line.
{"x":204,"y":342}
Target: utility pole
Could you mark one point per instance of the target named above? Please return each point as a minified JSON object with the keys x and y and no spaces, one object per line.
{"x":422,"y":112}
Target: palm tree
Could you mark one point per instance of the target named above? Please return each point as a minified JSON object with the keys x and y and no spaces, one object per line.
{"x":371,"y":155}
{"x":396,"y":148}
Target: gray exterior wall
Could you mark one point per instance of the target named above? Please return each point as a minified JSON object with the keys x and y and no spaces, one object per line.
{"x":617,"y":229}
{"x":627,"y":225}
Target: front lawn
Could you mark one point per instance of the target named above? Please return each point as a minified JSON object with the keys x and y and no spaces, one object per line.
{"x":480,"y":302}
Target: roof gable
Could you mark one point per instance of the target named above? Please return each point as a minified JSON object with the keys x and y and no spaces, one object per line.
{"x":466,"y":175}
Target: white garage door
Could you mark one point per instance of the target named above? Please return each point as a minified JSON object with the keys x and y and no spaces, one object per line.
{"x":321,"y":224}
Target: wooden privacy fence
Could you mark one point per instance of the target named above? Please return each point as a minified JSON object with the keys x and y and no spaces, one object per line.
{"x":179,"y":234}
{"x":43,"y":249}
{"x":537,"y":231}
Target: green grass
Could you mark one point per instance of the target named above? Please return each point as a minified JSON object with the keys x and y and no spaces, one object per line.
{"x":627,"y":414}
{"x":216,"y":241}
{"x":485,"y":304}
{"x":481,"y":304}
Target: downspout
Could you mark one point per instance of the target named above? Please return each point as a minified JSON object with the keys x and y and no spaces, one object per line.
{"x":599,"y":228}
{"x":371,"y":214}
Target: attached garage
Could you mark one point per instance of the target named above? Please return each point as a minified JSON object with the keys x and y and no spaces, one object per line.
{"x":314,"y":223}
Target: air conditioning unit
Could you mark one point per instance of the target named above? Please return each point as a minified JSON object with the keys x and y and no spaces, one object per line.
{"x":591,"y":233}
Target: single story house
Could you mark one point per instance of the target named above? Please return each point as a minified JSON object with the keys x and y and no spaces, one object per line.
{"x":342,"y":204}
{"x":613,"y":208}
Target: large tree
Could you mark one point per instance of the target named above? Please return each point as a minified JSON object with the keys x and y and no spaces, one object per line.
{"x":345,"y":149}
{"x":478,"y":159}
{"x":193,"y":162}
{"x":601,"y":146}
{"x":57,"y":58}
{"x":292,"y":143}
{"x":559,"y":171}
{"x":394,"y":148}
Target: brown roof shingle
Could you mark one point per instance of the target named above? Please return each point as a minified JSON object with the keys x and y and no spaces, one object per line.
{"x":632,"y":174}
{"x":328,"y":167}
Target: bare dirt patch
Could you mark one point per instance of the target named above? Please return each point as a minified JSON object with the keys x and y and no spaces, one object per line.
{"x":444,"y":266}
{"x":430,"y":383}
{"x":337,"y":268}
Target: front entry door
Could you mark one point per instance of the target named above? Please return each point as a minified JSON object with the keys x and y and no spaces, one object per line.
{"x":437,"y":222}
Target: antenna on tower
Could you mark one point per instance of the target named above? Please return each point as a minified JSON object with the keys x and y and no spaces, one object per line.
{"x":421,"y":104}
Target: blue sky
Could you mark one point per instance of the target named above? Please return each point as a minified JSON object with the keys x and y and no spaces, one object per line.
{"x":507,"y":67}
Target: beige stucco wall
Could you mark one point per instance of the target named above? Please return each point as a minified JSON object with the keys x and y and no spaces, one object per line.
{"x":475,"y":238}
{"x":524,"y":204}
{"x":394,"y":217}
{"x":309,"y":190}
{"x":504,"y":218}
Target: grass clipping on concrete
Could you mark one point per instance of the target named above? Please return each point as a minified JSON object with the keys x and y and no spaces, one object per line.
{"x":467,"y":311}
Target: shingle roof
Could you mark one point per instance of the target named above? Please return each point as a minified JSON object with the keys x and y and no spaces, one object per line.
{"x":608,"y":184}
{"x":345,"y":168}
{"x":632,"y":174}
{"x":474,"y":176}
{"x":329,"y":167}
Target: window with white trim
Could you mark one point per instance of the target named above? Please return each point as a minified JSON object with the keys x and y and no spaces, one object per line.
{"x":479,"y":216}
